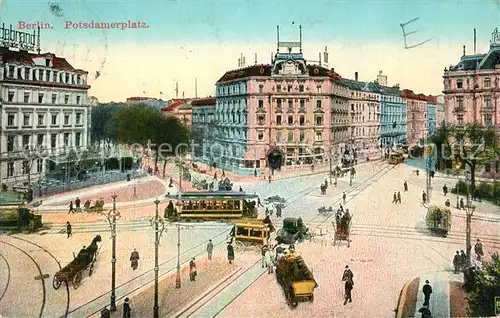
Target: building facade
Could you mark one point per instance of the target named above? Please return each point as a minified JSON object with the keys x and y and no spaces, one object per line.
{"x":440,"y":111}
{"x":284,"y":109}
{"x":392,"y":118}
{"x":203,"y":128}
{"x":431,"y":115}
{"x":472,"y":89}
{"x":416,"y":116}
{"x":44,"y":107}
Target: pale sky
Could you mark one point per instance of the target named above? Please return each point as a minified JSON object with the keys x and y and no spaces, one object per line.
{"x":203,"y":39}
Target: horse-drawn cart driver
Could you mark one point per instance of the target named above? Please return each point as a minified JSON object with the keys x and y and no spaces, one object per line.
{"x":82,"y":255}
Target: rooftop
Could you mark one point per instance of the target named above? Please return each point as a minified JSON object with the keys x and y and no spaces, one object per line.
{"x":26,"y":58}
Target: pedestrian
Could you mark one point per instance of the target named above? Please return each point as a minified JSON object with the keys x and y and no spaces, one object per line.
{"x":71,"y":209}
{"x":127,"y":311}
{"x":447,"y":203}
{"x":456,"y":262}
{"x":427,"y":290}
{"x":426,"y":313}
{"x":478,"y":248}
{"x":215,"y":176}
{"x":405,"y":186}
{"x":77,"y":203}
{"x":462,"y":206}
{"x":424,"y":197}
{"x":263,"y":251}
{"x":267,"y":211}
{"x":223,"y":173}
{"x":279,"y":208}
{"x":464,"y":262}
{"x":210,"y":248}
{"x":241,"y":189}
{"x":171,"y":183}
{"x":68,"y":229}
{"x":192,"y":270}
{"x":269,"y":178}
{"x":348,"y":290}
{"x":344,"y":197}
{"x":259,"y":203}
{"x":395,"y":198}
{"x":399,"y":197}
{"x":230,"y":253}
{"x":134,"y":259}
{"x":270,"y":257}
{"x":418,"y":172}
{"x":255,"y":172}
{"x":445,"y":190}
{"x":105,"y":313}
{"x":348,"y":274}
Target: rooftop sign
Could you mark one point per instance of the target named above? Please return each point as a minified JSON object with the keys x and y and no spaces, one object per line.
{"x":20,"y":40}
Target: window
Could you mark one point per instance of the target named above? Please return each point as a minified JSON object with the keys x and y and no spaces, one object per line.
{"x":39,"y":165}
{"x":302,"y":120}
{"x":302,"y":103}
{"x":260,"y":119}
{"x":26,"y":120}
{"x":26,"y":167}
{"x":11,"y":96}
{"x":318,"y":103}
{"x":278,"y":119}
{"x":319,"y":121}
{"x":26,"y":140}
{"x":40,"y":75}
{"x":11,"y":140}
{"x":53,"y":140}
{"x":278,"y":136}
{"x":488,"y":120}
{"x":301,"y":88}
{"x":260,"y":135}
{"x":66,"y":139}
{"x":318,"y":89}
{"x":40,"y":98}
{"x":302,"y":136}
{"x":261,"y":104}
{"x":67,"y":79}
{"x":460,"y":102}
{"x":289,"y":87}
{"x":78,"y":139}
{"x":460,"y":84}
{"x":26,"y":97}
{"x":79,"y":118}
{"x":290,"y":136}
{"x":460,"y":119}
{"x":278,"y":103}
{"x":54,"y":119}
{"x":11,"y":118}
{"x":319,"y":136}
{"x":261,"y":88}
{"x":278,"y":88}
{"x":290,"y":119}
{"x":26,"y":73}
{"x":47,"y":62}
{"x":66,"y":119}
{"x":487,"y":82}
{"x":487,"y":102}
{"x":78,"y":100}
{"x":41,"y":120}
{"x":39,"y":139}
{"x":10,"y":169}
{"x":54,"y":98}
{"x":66,"y":98}
{"x":290,"y":104}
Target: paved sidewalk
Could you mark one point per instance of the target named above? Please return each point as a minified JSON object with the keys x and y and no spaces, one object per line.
{"x":226,"y":296}
{"x":439,"y":303}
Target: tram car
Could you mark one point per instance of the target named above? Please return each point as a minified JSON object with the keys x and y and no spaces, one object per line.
{"x":200,"y":206}
{"x":250,"y":234}
{"x":396,"y":158}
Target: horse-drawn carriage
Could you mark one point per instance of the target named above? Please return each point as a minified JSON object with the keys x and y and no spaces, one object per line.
{"x":225,"y":185}
{"x":296,"y":279}
{"x":97,"y":207}
{"x":200,"y":184}
{"x":325,"y":211}
{"x":342,"y":227}
{"x":250,"y":234}
{"x":293,"y":230}
{"x":73,"y":272}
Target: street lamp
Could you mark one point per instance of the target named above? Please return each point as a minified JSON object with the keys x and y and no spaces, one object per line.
{"x":178,"y":275}
{"x":469,"y":211}
{"x":159,"y":225}
{"x":111,"y":217}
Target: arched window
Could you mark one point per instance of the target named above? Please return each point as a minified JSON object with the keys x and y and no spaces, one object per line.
{"x":487,"y":82}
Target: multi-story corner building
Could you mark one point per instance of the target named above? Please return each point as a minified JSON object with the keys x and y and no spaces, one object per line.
{"x":365,"y":107}
{"x":283,"y":109}
{"x":340,"y":119}
{"x":416,"y":116}
{"x":43,"y":105}
{"x":392,"y":118}
{"x":431,"y":115}
{"x":203,"y":128}
{"x":472,"y":88}
{"x":440,"y":111}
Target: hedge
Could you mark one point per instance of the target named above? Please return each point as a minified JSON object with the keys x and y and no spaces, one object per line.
{"x":484,"y":191}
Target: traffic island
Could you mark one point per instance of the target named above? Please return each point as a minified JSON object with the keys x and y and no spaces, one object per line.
{"x":408,"y":300}
{"x":459,"y":303}
{"x":170,"y":299}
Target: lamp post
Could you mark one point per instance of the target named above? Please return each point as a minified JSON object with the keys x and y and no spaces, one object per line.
{"x":111,"y":217}
{"x":159,"y":225}
{"x":178,"y":275}
{"x":469,"y":211}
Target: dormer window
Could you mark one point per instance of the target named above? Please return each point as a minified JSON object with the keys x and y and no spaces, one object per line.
{"x":67,"y":79}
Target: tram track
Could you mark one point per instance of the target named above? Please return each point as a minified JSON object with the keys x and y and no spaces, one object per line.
{"x":44,"y":291}
{"x":58,"y":264}
{"x":8,"y":276}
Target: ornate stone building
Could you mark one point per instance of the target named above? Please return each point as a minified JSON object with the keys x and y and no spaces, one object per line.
{"x":416,"y":116}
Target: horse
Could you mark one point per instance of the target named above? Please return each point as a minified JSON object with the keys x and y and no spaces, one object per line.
{"x":92,"y":248}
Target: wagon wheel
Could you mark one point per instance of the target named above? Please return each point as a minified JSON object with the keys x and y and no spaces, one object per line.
{"x":56,"y":283}
{"x":77,"y":279}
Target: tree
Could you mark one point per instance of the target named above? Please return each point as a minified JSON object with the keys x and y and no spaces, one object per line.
{"x":103,"y":116}
{"x":486,"y":285}
{"x":439,"y":139}
{"x":472,"y":145}
{"x":148,"y":127}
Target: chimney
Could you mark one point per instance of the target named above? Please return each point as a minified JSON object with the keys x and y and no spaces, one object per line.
{"x":464,"y":50}
{"x":474,"y":41}
{"x":356,"y":76}
{"x":255,"y":58}
{"x":182,"y":95}
{"x":319,"y":58}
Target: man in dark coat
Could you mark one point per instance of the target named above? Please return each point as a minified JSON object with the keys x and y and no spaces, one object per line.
{"x":462,"y":206}
{"x":445,"y":190}
{"x":405,"y":186}
{"x":425,"y":312}
{"x":71,"y":209}
{"x":68,"y":229}
{"x":463,"y":260}
{"x":427,"y":290}
{"x":134,"y":259}
{"x":457,"y":261}
{"x":395,"y":198}
{"x":348,"y":274}
{"x":478,"y":248}
{"x":230,"y":253}
{"x":210,"y":248}
{"x":77,"y":203}
{"x":192,"y":270}
{"x":399,"y":197}
{"x":424,"y":197}
{"x":105,"y":313}
{"x":344,"y":197}
{"x":348,"y":290}
{"x":127,"y":311}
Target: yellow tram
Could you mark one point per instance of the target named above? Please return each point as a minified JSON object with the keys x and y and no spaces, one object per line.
{"x":211,"y":205}
{"x":396,"y":158}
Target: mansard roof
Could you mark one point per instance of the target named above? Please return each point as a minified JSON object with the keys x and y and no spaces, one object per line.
{"x":468,"y":62}
{"x":26,"y":58}
{"x":207,"y":101}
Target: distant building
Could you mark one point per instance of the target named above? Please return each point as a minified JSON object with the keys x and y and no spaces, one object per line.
{"x":431,"y":115}
{"x":203,"y":128}
{"x":416,"y":116}
{"x":471,"y":87}
{"x":44,"y":103}
{"x":392,"y":119}
{"x":440,"y":111}
{"x":180,"y":108}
